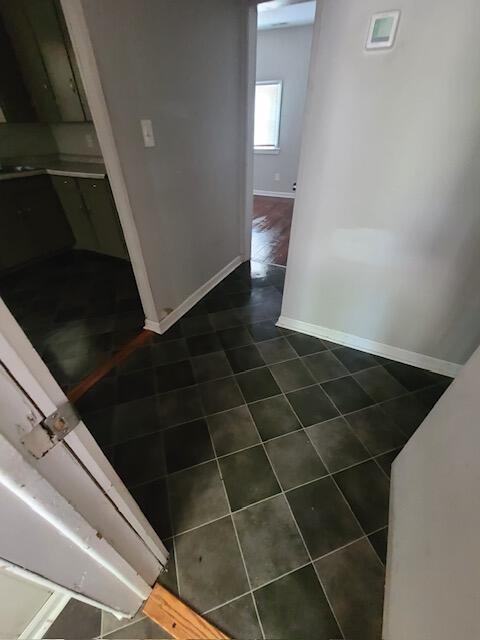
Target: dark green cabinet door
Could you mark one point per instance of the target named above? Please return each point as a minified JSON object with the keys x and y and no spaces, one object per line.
{"x":77,"y":214}
{"x":103,"y":214}
{"x":44,"y":216}
{"x":29,"y":59}
{"x":43,"y":19}
{"x":16,"y":246}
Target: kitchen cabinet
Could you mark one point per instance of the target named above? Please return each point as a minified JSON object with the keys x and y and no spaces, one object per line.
{"x":99,"y":202}
{"x":45,"y":58}
{"x":77,"y":213}
{"x":32,"y":221}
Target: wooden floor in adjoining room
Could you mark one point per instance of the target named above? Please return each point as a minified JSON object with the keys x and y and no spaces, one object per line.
{"x":272,"y":219}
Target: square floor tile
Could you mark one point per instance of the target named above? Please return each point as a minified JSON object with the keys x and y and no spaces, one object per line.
{"x":196,"y":496}
{"x":169,"y":351}
{"x":376,"y":430}
{"x":336,"y":444}
{"x":274,"y":417}
{"x":76,"y":621}
{"x":102,"y":395}
{"x":220,"y":395}
{"x":257,"y":384}
{"x":237,"y":619}
{"x":100,"y":425}
{"x":143,"y":629}
{"x":386,"y":460}
{"x":169,"y":577}
{"x":225,"y":319}
{"x":265,"y":330}
{"x":295,"y":607}
{"x":429,"y":396}
{"x":138,"y":384}
{"x":324,"y":366}
{"x":174,"y":376}
{"x":206,"y":343}
{"x":366,"y":489}
{"x":379,"y":384}
{"x":211,"y":366}
{"x":179,"y":406}
{"x":408,"y":412}
{"x":276,"y":350}
{"x":324,"y":518}
{"x":232,"y":430}
{"x":248,"y":477}
{"x":412,"y":378}
{"x":294,"y":460}
{"x":196,"y":325}
{"x":234,"y":337}
{"x":347,"y":394}
{"x":210,"y":565}
{"x":152,"y":498}
{"x":139,"y":359}
{"x":140,"y":460}
{"x":187,"y":445}
{"x":379,"y":541}
{"x":353,"y":579}
{"x":291,"y":375}
{"x":355,"y":360}
{"x":312,"y":405}
{"x":304,"y":345}
{"x":245,"y":358}
{"x":269,"y":540}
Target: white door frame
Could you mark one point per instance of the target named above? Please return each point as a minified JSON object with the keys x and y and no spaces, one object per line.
{"x":20,"y":357}
{"x":82,"y":47}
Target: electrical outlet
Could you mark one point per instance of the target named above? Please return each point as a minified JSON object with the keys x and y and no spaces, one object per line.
{"x":276,"y":177}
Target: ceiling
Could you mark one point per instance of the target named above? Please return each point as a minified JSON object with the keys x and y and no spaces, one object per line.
{"x":281,"y":13}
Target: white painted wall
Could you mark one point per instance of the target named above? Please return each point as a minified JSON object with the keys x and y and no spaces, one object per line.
{"x":386,"y":227}
{"x":179,"y":63}
{"x":433,"y":572}
{"x":284,"y":54}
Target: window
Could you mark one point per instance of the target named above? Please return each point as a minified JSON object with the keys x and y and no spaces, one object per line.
{"x":268,"y":101}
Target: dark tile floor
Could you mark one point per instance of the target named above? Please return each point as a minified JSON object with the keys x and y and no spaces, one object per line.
{"x":262,"y":458}
{"x":76,"y":308}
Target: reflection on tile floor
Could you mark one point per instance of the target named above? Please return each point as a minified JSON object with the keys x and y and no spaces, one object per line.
{"x":76,"y":308}
{"x":262,"y":457}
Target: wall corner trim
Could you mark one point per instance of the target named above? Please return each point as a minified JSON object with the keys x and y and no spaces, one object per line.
{"x":274,"y":194}
{"x":436,"y":365}
{"x":193,"y":298}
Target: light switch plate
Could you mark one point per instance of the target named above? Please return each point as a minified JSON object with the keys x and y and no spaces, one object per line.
{"x":147,"y":132}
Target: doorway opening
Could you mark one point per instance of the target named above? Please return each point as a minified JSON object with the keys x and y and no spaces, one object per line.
{"x":284,"y":38}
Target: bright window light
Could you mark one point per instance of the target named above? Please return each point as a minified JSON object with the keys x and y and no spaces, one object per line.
{"x":268,"y":103}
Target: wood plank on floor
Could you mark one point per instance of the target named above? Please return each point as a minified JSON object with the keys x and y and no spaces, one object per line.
{"x":100,"y":372}
{"x":177,"y":618}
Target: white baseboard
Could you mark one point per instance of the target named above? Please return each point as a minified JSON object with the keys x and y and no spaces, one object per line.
{"x":191,"y":301}
{"x":274,"y":194}
{"x":436,"y":365}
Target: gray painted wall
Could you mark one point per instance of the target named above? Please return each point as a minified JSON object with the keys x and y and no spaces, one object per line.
{"x":71,"y":140}
{"x":386,"y":226}
{"x":180,"y":65}
{"x":433,"y":571}
{"x":284,"y":54}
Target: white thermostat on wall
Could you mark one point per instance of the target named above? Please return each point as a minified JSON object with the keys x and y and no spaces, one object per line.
{"x":383,"y":27}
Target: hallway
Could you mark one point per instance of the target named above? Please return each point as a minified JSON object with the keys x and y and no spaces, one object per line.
{"x":261,"y":457}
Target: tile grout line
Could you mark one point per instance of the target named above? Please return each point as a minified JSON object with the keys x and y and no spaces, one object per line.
{"x":232,"y":519}
{"x":294,"y":519}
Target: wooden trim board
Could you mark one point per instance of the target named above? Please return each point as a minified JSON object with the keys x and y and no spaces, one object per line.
{"x":100,"y":372}
{"x":177,"y":618}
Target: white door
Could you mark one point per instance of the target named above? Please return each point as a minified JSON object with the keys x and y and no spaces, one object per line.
{"x":433,"y":565}
{"x":66,"y":516}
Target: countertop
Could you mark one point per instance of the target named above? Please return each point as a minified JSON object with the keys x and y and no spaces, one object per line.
{"x":71,"y":169}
